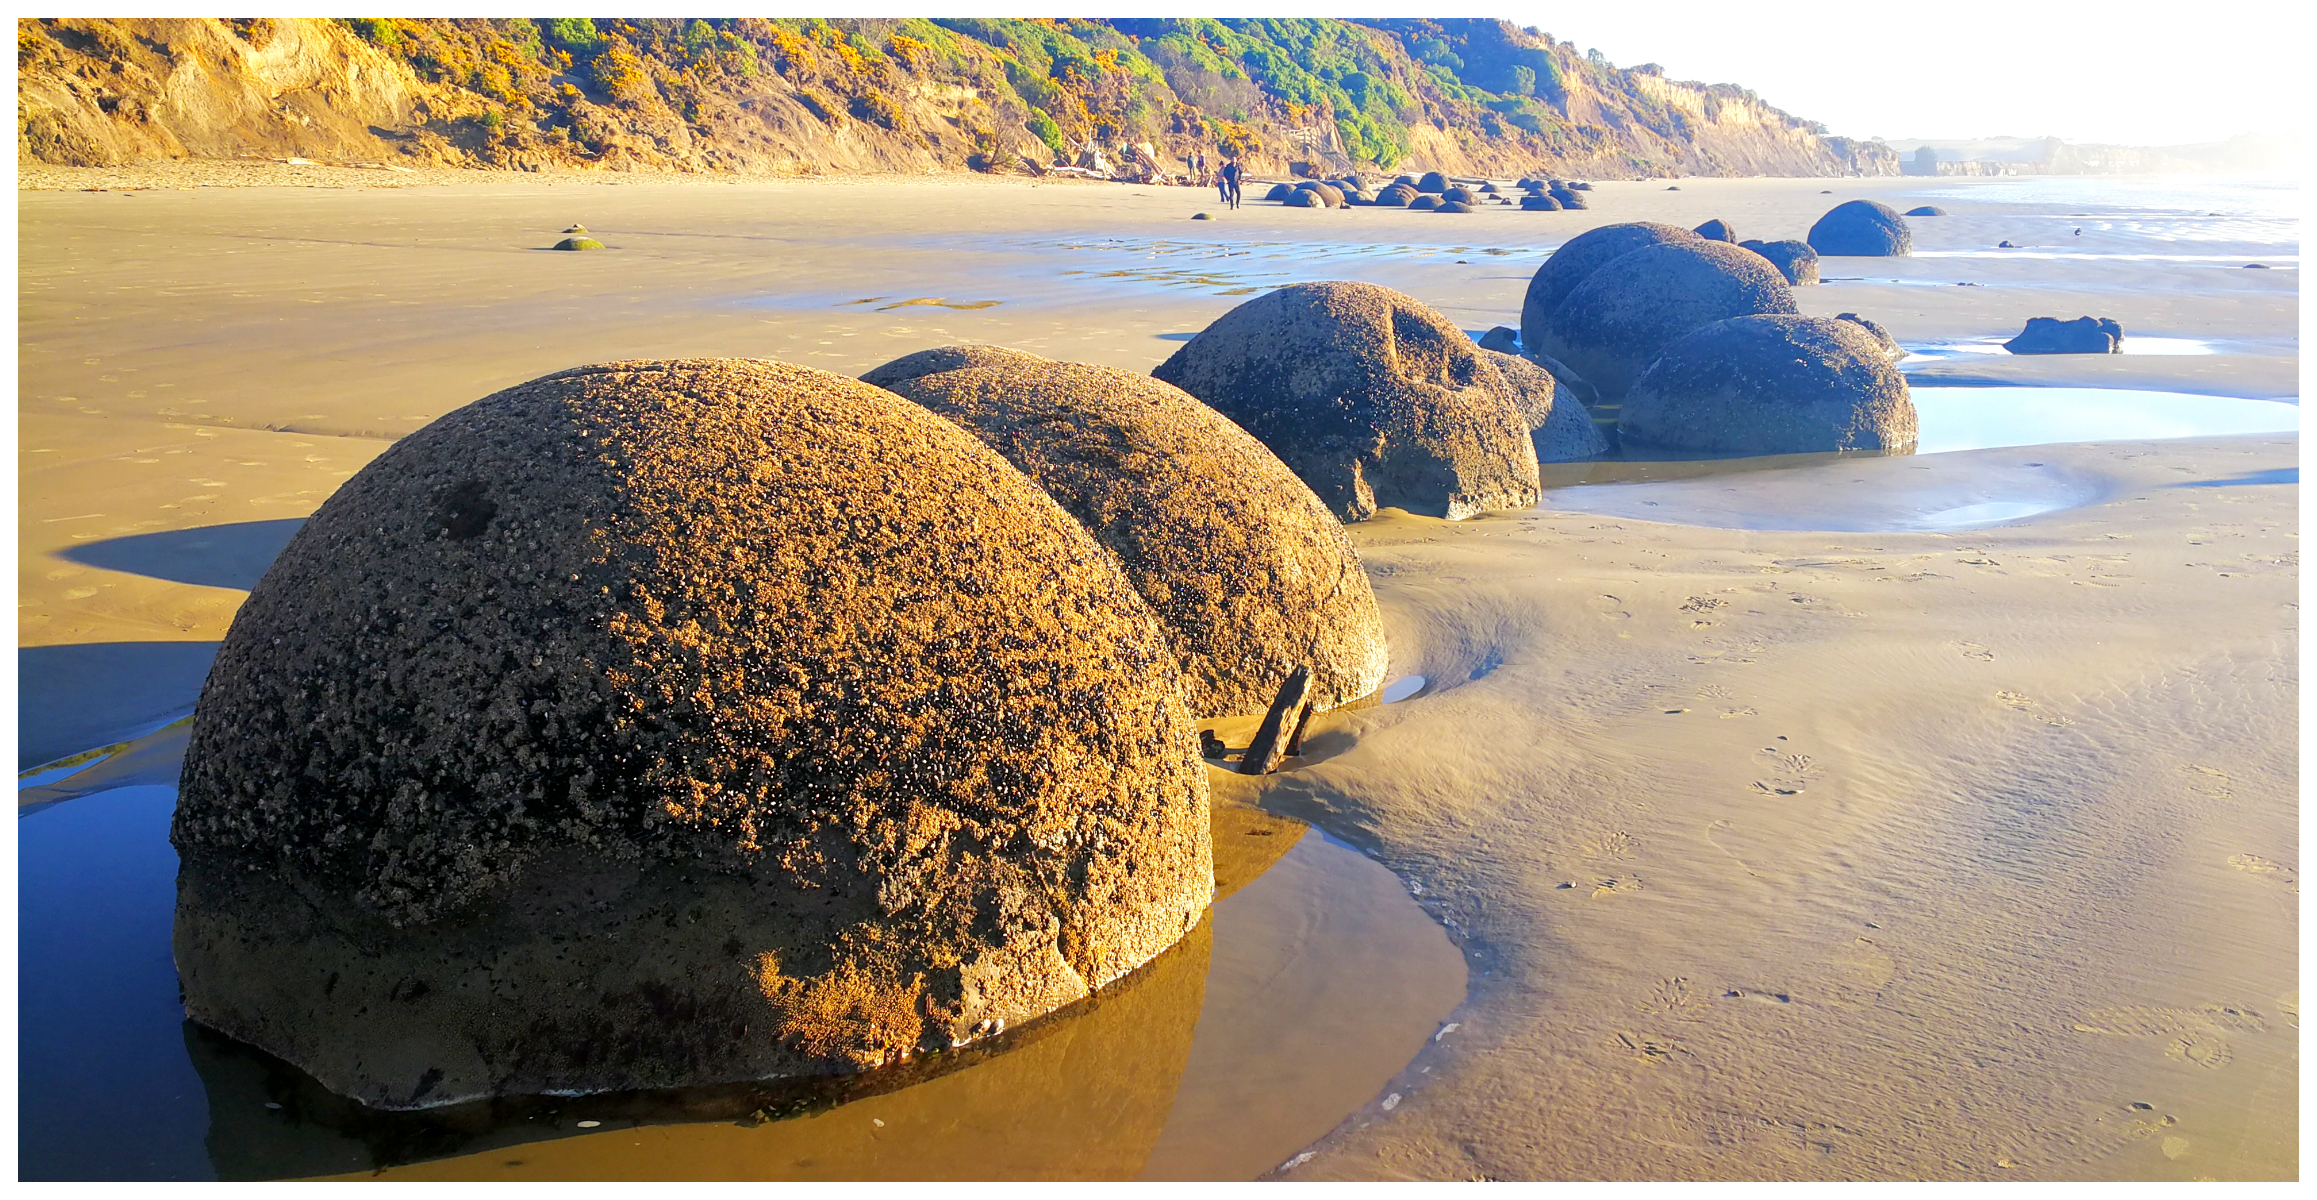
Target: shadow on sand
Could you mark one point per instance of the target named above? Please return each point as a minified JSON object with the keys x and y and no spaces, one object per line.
{"x":224,"y":556}
{"x":75,"y":698}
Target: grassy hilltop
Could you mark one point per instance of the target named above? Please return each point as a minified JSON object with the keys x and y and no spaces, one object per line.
{"x":796,"y":95}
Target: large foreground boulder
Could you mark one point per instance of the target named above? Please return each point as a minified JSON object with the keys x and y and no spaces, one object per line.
{"x":1252,"y":575}
{"x":1560,"y":427}
{"x":1795,"y":260}
{"x":1371,"y":398}
{"x":2084,"y":335}
{"x":1579,"y":257}
{"x":1614,"y":323}
{"x":656,"y":724}
{"x":1771,"y":385}
{"x":1862,"y":228}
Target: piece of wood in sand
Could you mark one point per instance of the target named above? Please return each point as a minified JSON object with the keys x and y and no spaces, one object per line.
{"x":1263,"y":754}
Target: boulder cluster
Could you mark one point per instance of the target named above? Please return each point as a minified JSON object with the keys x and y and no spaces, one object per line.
{"x":1693,"y":343}
{"x":1430,"y":192}
{"x":666,"y":723}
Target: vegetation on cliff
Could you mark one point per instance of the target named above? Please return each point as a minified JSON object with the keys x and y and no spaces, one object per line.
{"x":799,"y":94}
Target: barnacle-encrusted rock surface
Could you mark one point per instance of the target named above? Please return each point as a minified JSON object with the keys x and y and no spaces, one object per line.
{"x":1560,"y":426}
{"x":1611,"y":326}
{"x":1772,"y":385}
{"x":1370,"y":397}
{"x":1251,"y":573}
{"x":1577,"y":258}
{"x":664,"y":723}
{"x":949,"y":358}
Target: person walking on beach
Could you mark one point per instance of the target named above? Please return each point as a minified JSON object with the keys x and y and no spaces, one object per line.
{"x":1230,"y":182}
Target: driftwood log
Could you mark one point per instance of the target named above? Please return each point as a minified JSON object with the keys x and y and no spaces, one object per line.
{"x":1276,"y":737}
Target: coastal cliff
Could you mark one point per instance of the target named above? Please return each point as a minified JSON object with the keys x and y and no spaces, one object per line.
{"x":792,"y":96}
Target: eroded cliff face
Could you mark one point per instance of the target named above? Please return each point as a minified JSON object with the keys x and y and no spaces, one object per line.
{"x":789,"y":96}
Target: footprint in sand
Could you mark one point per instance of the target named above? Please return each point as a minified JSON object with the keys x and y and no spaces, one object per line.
{"x":1742,"y":711}
{"x":1789,"y":772}
{"x":1975,"y":651}
{"x":1647,"y":1049}
{"x":1609,"y":606}
{"x":1704,"y":604}
{"x":1675,"y":998}
{"x":2208,"y":781}
{"x":1616,"y":886}
{"x":2020,"y":701}
{"x":2204,"y":1049}
{"x":2189,"y":1034}
{"x":2254,"y":864}
{"x":1617,"y":844}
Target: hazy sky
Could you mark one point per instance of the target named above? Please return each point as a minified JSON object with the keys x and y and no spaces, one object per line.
{"x":2107,"y":71}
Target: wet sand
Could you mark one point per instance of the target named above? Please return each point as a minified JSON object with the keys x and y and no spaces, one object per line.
{"x":1887,"y":854}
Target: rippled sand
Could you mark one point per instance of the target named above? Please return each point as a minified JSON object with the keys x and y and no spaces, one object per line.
{"x":1776,"y":854}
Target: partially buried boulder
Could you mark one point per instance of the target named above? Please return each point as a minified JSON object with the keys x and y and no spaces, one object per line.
{"x":1561,"y":429}
{"x":948,"y":358}
{"x":1370,"y":397}
{"x":1279,"y":191}
{"x":1395,"y":196}
{"x":1424,"y":201}
{"x":1539,"y":202}
{"x":1459,"y":192}
{"x":1453,"y":206}
{"x":1252,"y":575}
{"x":1861,"y":228}
{"x":1795,"y":260}
{"x":656,"y":724}
{"x":1504,"y":339}
{"x":1927,"y":211}
{"x":2084,"y":335}
{"x":1615,"y":322}
{"x":579,"y":243}
{"x":1566,"y":197}
{"x":1433,"y":182}
{"x":1579,"y":257}
{"x":1305,"y":200}
{"x":1717,"y":230}
{"x":1771,"y":385}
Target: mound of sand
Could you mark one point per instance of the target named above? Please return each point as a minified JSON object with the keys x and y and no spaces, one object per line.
{"x":662,"y":723}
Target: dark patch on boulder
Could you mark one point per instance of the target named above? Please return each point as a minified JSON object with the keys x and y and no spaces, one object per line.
{"x":1370,"y":397}
{"x":1861,"y":229}
{"x":1771,"y":385}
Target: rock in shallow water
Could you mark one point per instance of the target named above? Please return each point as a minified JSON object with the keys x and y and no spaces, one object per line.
{"x":2084,"y":335}
{"x":1862,"y":228}
{"x":1560,"y":426}
{"x":1370,"y":397}
{"x":666,"y":723}
{"x":1771,"y":385}
{"x":1252,"y":575}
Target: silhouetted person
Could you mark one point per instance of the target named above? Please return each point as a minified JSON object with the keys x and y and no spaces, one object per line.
{"x":1230,"y":183}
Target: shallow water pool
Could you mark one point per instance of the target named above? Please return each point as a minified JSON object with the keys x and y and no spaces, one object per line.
{"x":1313,"y":981}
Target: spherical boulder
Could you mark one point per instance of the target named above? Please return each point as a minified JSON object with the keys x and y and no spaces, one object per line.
{"x":1279,"y":191}
{"x":1453,"y":206}
{"x":1395,"y":196}
{"x":1250,"y":572}
{"x":1717,"y":230}
{"x":1539,"y":202}
{"x":948,"y":358}
{"x":1581,"y":186}
{"x":1566,"y":197}
{"x":1795,"y":260}
{"x":1326,"y":192}
{"x":1459,"y":192}
{"x":1561,"y":429}
{"x":1305,"y":199}
{"x":1433,"y":182}
{"x":579,"y":243}
{"x":1861,"y":228}
{"x":1771,"y":385}
{"x":658,"y":724}
{"x":1490,"y":189}
{"x":1928,"y":210}
{"x":1614,"y":323}
{"x":1370,"y":397}
{"x":1579,"y":257}
{"x":1890,"y":345}
{"x":1423,"y":200}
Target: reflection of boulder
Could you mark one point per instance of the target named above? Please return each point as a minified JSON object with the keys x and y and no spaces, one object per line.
{"x":1579,"y":257}
{"x":1252,"y":575}
{"x":2084,"y":335}
{"x":653,"y":724}
{"x":1795,"y":260}
{"x":1369,"y":396}
{"x":1614,"y":323}
{"x":1861,"y":228}
{"x":1081,"y":1094}
{"x":1771,"y":385}
{"x":1560,"y":427}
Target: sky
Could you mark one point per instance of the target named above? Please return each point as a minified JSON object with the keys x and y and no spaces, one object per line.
{"x":2115,"y":71}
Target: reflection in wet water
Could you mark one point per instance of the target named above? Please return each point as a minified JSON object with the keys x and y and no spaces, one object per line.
{"x":1972,"y":418}
{"x":2133,"y":344}
{"x":1314,"y":979}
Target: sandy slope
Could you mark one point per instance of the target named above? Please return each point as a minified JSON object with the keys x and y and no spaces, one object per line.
{"x":2022,"y":852}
